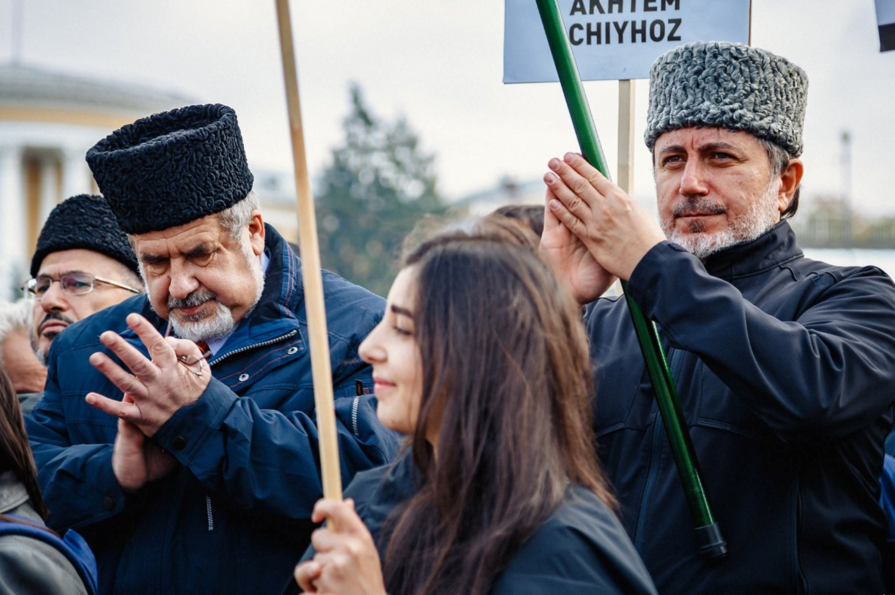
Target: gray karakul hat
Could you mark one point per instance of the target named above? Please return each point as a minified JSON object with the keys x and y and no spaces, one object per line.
{"x":172,"y":168}
{"x":728,"y":85}
{"x":84,"y":221}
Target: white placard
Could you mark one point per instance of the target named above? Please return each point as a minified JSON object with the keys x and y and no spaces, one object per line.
{"x":885,"y":12}
{"x":615,"y":39}
{"x":885,"y":18}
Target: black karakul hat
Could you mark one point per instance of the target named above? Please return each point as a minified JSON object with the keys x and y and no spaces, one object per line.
{"x":172,"y":168}
{"x":83,"y":221}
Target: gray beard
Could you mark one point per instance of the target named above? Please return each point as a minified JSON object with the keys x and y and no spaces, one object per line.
{"x":761,"y":216}
{"x":39,"y":353}
{"x":220,"y":323}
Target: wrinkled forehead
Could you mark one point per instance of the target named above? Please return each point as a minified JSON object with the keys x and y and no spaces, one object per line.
{"x":695,"y":137}
{"x":179,"y":240}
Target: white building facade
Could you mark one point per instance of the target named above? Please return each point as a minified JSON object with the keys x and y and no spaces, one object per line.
{"x":48,"y":121}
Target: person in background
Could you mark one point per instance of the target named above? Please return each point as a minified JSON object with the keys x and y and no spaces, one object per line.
{"x":481,"y":360}
{"x":83,"y":263}
{"x":33,"y":559}
{"x":531,"y":216}
{"x":25,"y":371}
{"x":785,"y":366}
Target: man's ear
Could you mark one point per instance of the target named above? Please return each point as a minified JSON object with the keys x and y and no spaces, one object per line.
{"x":256,"y":232}
{"x":790,"y":180}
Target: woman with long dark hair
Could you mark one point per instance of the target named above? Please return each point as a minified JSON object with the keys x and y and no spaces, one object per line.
{"x":33,"y":559}
{"x":481,"y":359}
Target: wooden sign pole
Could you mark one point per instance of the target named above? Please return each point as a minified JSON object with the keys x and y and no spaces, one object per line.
{"x":311,"y":273}
{"x":750,"y":22}
{"x":626,"y":135}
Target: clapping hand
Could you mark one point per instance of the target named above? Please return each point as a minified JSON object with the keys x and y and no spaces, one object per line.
{"x":175,"y":377}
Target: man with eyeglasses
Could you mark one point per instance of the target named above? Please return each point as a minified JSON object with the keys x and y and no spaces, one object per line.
{"x":83,"y":264}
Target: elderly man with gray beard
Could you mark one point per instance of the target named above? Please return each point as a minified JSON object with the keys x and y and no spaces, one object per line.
{"x":784,"y":366}
{"x":177,"y":431}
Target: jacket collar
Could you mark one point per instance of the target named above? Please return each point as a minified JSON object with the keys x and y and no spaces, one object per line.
{"x":12,"y":493}
{"x":274,"y":315}
{"x":772,"y":248}
{"x":403,"y":478}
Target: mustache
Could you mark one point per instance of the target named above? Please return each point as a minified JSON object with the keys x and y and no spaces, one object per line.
{"x":698,"y":206}
{"x":196,"y":298}
{"x":55,"y":316}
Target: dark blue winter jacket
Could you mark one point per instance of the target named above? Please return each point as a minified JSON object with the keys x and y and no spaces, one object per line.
{"x":234,"y":516}
{"x":887,"y":501}
{"x":581,"y":549}
{"x":785,"y":369}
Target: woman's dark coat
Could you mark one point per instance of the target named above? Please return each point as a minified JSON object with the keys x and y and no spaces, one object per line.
{"x":581,"y":549}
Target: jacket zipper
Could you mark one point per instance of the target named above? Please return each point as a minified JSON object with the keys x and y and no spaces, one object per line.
{"x":354,"y":407}
{"x":655,"y":459}
{"x":208,"y":511}
{"x":279,"y":339}
{"x":652,"y":471}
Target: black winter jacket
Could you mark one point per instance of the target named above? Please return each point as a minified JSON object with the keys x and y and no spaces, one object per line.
{"x":581,"y":549}
{"x":785,"y":369}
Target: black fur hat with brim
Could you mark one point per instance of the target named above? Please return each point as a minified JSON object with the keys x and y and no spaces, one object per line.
{"x":83,"y":222}
{"x":172,"y":168}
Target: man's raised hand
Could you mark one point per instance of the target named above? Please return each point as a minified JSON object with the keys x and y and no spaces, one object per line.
{"x":573,"y":262}
{"x":175,"y":377}
{"x":617,"y":231}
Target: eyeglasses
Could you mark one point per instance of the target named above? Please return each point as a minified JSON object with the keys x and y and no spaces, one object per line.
{"x":76,"y":283}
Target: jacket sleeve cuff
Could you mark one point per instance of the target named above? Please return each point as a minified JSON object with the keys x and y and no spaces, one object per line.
{"x":97,"y":500}
{"x":111,"y":497}
{"x":189,"y":428}
{"x":660,"y":261}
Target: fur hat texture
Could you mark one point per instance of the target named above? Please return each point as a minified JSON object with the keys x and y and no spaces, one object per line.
{"x":83,"y":221}
{"x":172,"y":168}
{"x":728,"y":85}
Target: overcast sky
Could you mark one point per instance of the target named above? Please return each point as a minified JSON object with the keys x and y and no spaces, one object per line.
{"x":439,"y":62}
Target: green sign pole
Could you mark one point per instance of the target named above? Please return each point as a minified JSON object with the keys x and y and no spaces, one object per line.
{"x":712,"y":544}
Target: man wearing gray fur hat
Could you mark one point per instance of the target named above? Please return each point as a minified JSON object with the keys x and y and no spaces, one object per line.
{"x":784,"y":365}
{"x":177,"y":431}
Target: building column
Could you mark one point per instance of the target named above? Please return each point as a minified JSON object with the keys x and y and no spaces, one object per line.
{"x":50,"y":188}
{"x":13,"y":225}
{"x":76,"y":177}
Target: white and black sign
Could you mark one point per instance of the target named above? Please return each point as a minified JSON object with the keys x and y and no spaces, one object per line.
{"x":616,"y":39}
{"x":885,"y":18}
